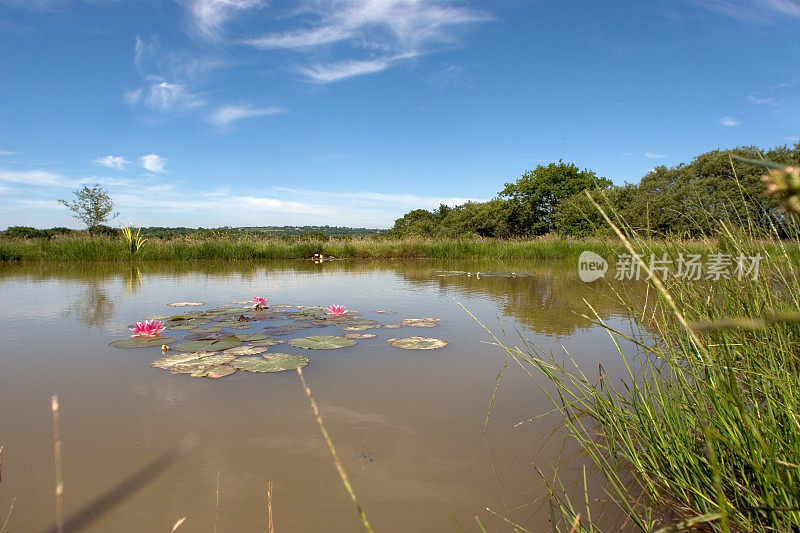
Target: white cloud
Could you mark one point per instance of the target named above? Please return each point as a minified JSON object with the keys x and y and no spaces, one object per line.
{"x":653,"y":155}
{"x":36,"y":177}
{"x":112,"y":161}
{"x":210,"y":15}
{"x":226,"y":115}
{"x":153,"y":163}
{"x":752,"y":10}
{"x":339,"y":71}
{"x":398,"y":28}
{"x":6,"y":152}
{"x":729,"y":122}
{"x":163,"y":96}
{"x":753,"y":99}
{"x":793,"y":138}
{"x":376,"y":198}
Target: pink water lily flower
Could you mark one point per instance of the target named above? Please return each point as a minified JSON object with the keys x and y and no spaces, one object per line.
{"x":148,"y":328}
{"x":259,"y":302}
{"x":336,"y":310}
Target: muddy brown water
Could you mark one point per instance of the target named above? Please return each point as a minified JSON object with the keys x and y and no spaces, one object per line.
{"x":407,"y":424}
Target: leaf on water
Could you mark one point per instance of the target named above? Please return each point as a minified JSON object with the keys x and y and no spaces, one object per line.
{"x":421,"y":322}
{"x":206,"y":335}
{"x":209,"y":329}
{"x":171,"y":360}
{"x":276,"y":362}
{"x":242,"y":302}
{"x":253,"y":337}
{"x":220,"y":372}
{"x":383,"y":312}
{"x":202,"y":365}
{"x":141,"y":342}
{"x":417,"y":343}
{"x":157,"y":317}
{"x":362,"y":322}
{"x":210,"y":345}
{"x":392,"y":326}
{"x":321,"y":342}
{"x":279,"y":330}
{"x":246,"y":350}
{"x":359,"y":335}
{"x":184,"y":304}
{"x":267,"y":342}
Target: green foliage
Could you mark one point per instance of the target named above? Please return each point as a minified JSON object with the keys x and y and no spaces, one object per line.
{"x":534,"y":197}
{"x":91,"y":206}
{"x":25,"y":232}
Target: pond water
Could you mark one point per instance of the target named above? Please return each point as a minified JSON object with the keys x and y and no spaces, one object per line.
{"x":407,"y":424}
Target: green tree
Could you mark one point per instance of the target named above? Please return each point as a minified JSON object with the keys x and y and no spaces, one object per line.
{"x":91,"y":206}
{"x":533,"y":198}
{"x":417,"y":222}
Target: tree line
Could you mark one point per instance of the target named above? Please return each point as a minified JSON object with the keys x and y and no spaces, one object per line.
{"x":686,"y":200}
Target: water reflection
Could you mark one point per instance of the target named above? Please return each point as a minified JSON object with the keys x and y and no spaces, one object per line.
{"x":548,"y":298}
{"x":94,"y":308}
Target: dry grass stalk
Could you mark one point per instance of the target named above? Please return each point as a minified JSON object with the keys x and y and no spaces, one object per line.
{"x":336,"y":460}
{"x":178,"y":524}
{"x":59,"y":471}
{"x":269,"y":507}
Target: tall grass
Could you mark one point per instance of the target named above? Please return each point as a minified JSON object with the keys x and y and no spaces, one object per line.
{"x":703,"y":433}
{"x":83,"y":248}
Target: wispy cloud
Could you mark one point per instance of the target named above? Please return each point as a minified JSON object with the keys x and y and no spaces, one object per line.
{"x":729,"y":122}
{"x":347,"y":69}
{"x":210,"y":15}
{"x":160,"y":95}
{"x":409,"y":200}
{"x":753,"y":99}
{"x":752,"y":10}
{"x":6,"y":152}
{"x":153,"y":163}
{"x":111,"y":161}
{"x":36,"y":177}
{"x":399,"y":29}
{"x":226,"y":115}
{"x":653,"y":155}
{"x":167,"y":77}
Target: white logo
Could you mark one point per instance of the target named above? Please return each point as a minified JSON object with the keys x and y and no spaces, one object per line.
{"x":591,"y":266}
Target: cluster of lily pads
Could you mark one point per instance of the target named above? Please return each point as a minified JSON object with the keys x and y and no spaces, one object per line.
{"x":210,"y":349}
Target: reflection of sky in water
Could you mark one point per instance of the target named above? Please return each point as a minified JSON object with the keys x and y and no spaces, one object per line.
{"x":419,"y":414}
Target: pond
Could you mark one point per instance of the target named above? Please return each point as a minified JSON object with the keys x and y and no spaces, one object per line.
{"x":407,"y":424}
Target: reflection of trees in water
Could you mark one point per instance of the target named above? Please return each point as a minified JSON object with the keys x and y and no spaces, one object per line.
{"x":548,"y":297}
{"x":547,"y":300}
{"x":94,"y":307}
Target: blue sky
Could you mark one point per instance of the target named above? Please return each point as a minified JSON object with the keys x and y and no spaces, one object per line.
{"x":353,"y":112}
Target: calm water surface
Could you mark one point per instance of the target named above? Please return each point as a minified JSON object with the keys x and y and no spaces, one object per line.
{"x":418,"y":415}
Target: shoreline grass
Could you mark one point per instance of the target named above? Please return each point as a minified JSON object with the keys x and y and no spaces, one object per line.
{"x":249,"y":248}
{"x":703,"y":433}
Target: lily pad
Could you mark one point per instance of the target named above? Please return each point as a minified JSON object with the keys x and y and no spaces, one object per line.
{"x":421,"y":322}
{"x":267,"y":342}
{"x":253,"y":337}
{"x":392,"y":326}
{"x":246,"y":350}
{"x":172,"y":360}
{"x":279,"y":330}
{"x":218,"y":372}
{"x":321,"y":342}
{"x":206,"y":335}
{"x":276,"y":362}
{"x":210,"y":345}
{"x":383,"y":312}
{"x":202,"y":365}
{"x":141,"y":342}
{"x":359,"y":335}
{"x":185,"y":304}
{"x":242,"y":302}
{"x":362,"y":322}
{"x":157,"y":317}
{"x":417,"y":343}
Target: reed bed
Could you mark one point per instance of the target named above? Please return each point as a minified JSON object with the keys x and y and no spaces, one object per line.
{"x":703,"y":433}
{"x":250,"y":248}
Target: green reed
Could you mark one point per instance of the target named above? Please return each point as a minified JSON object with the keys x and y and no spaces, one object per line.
{"x":703,"y":431}
{"x":84,"y":248}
